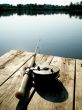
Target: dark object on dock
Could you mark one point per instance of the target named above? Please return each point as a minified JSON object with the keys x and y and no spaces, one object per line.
{"x":41,"y":74}
{"x":45,"y":74}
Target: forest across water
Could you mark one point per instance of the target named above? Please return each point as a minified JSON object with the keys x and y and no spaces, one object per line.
{"x":35,"y":9}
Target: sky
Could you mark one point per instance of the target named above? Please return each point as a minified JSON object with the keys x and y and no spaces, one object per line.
{"x":55,"y":2}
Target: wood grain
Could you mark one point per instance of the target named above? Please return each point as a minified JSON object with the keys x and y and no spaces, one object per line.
{"x":13,"y":62}
{"x":78,"y":92}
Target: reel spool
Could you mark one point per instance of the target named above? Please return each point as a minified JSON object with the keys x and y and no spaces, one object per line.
{"x":45,"y":70}
{"x":44,"y":74}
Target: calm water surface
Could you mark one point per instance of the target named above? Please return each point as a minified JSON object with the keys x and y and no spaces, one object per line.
{"x":59,"y":34}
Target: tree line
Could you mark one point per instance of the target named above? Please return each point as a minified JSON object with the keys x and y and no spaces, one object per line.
{"x":76,"y":6}
{"x":34,"y":9}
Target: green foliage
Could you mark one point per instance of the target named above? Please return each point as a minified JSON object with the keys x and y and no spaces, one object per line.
{"x":34,"y":9}
{"x":40,"y":7}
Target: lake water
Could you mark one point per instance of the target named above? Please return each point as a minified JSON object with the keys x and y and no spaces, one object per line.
{"x":59,"y":34}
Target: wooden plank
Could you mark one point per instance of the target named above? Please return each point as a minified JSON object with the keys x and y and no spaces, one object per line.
{"x":39,"y":58}
{"x":46,"y":59}
{"x":14,"y":62}
{"x":62,"y":97}
{"x":7,"y":91}
{"x":6,"y":58}
{"x":78,"y":93}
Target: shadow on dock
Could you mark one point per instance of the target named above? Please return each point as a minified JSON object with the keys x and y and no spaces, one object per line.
{"x":53,"y":91}
{"x":23,"y":103}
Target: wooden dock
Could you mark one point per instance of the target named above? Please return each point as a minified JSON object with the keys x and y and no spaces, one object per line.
{"x":69,"y":83}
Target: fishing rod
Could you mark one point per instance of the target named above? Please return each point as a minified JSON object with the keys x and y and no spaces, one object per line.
{"x":27,"y":76}
{"x":35,"y":76}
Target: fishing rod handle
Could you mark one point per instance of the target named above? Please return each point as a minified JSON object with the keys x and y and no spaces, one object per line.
{"x":25,"y":82}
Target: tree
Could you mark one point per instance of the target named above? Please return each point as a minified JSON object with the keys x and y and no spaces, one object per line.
{"x":80,"y":2}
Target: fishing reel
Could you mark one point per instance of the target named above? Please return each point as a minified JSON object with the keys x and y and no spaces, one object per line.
{"x":43,"y":74}
{"x":39,"y":76}
{"x":45,"y":70}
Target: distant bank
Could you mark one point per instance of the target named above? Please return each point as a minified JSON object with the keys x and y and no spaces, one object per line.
{"x":34,"y":9}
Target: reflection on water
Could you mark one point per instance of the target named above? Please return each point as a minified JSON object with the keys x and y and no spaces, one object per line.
{"x":59,"y":34}
{"x":77,"y":14}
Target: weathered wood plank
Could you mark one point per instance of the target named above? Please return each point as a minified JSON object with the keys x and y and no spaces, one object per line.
{"x":63,"y":100}
{"x":78,"y":93}
{"x":6,"y":58}
{"x":7,"y":91}
{"x":14,"y":62}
